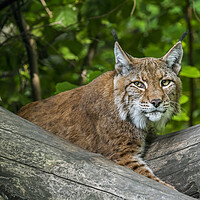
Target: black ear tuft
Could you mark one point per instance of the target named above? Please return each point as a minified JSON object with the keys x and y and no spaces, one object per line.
{"x":183,"y":35}
{"x":114,"y":35}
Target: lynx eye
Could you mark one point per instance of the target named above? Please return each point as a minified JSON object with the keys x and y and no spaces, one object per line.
{"x":139,"y":84}
{"x":165,"y":82}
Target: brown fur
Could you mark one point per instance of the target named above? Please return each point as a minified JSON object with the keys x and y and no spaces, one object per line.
{"x":91,"y":116}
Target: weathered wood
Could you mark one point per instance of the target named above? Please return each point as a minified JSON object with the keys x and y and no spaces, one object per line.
{"x":175,"y":158}
{"x":36,"y":164}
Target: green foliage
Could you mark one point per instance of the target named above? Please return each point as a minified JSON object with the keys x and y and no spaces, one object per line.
{"x":65,"y":16}
{"x":190,"y":72}
{"x":73,"y":36}
{"x":64,"y":86}
{"x":92,"y":75}
{"x":184,"y":99}
{"x":181,"y":117}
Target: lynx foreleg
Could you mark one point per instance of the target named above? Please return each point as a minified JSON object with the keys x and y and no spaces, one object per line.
{"x":139,"y":166}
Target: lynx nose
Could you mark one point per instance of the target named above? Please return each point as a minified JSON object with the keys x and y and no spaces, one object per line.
{"x":156,"y":102}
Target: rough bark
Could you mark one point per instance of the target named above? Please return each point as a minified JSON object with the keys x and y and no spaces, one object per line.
{"x":36,"y":164}
{"x":175,"y":158}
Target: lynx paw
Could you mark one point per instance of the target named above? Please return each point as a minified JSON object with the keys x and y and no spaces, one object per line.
{"x":166,"y":184}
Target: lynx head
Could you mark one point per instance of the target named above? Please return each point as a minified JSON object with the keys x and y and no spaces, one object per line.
{"x":147,"y":90}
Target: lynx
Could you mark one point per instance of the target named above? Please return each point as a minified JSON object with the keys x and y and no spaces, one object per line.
{"x":114,"y":113}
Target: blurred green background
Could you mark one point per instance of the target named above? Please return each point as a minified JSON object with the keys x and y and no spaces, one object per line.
{"x":71,"y":42}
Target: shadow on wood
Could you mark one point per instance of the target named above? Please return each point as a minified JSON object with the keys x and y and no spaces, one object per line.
{"x":36,"y":164}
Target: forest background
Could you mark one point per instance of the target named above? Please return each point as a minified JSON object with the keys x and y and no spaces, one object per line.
{"x":47,"y":47}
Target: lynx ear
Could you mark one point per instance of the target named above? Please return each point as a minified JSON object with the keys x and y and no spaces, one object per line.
{"x":122,"y":62}
{"x":173,"y":57}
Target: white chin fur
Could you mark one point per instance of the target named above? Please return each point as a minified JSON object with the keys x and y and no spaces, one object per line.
{"x":141,"y":120}
{"x":154,"y":116}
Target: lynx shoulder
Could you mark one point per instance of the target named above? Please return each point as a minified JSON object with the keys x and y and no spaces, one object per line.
{"x":114,"y":113}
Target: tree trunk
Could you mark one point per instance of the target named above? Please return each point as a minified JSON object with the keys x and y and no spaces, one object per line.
{"x":36,"y":164}
{"x":88,"y":60}
{"x":31,"y":51}
{"x":191,"y":61}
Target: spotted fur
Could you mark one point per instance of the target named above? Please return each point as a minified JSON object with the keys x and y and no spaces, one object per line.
{"x":114,"y":113}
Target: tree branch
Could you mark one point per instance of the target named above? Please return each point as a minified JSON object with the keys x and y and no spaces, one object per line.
{"x":46,"y":8}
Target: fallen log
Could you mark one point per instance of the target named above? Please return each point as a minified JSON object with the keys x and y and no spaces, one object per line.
{"x":36,"y":164}
{"x":175,"y":158}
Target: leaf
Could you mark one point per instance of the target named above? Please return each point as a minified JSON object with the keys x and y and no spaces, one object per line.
{"x":13,"y":98}
{"x":181,"y":117}
{"x":92,"y":75}
{"x":65,"y":16}
{"x":64,"y":86}
{"x":190,"y":72}
{"x":25,"y":74}
{"x":67,"y":54}
{"x":184,"y":99}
